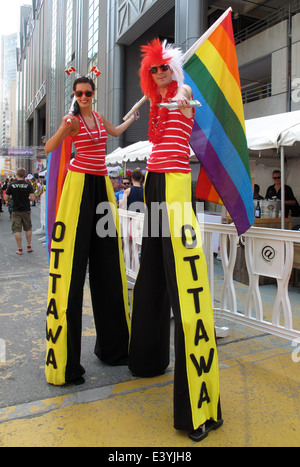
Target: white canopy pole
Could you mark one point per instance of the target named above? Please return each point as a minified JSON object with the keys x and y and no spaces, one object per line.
{"x":282,"y":187}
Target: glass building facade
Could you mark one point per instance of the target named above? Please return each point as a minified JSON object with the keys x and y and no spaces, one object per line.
{"x":93,"y":40}
{"x":57,"y":34}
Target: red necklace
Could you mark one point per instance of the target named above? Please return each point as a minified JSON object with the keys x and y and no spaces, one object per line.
{"x":158,"y":117}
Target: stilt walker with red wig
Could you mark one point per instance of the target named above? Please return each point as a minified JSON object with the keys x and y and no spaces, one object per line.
{"x":173,"y":270}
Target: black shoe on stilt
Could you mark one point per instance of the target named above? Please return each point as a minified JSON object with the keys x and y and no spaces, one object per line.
{"x":200,"y":433}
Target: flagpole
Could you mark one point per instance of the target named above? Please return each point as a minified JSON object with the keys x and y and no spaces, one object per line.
{"x":135,"y":107}
{"x":186,"y":56}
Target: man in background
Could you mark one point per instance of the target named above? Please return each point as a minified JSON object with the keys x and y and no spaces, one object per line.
{"x":21,"y":193}
{"x":134,"y":194}
{"x":274,"y":192}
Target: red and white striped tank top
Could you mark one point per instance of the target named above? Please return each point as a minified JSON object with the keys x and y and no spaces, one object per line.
{"x":90,"y":157}
{"x":172,"y":154}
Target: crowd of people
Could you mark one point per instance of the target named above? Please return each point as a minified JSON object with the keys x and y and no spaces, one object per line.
{"x":38,"y":185}
{"x":121,"y":182}
{"x":128,"y":188}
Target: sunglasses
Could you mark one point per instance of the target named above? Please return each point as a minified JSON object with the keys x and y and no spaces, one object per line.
{"x":85,"y":93}
{"x":126,"y":183}
{"x":154,"y":69}
{"x":276,"y":178}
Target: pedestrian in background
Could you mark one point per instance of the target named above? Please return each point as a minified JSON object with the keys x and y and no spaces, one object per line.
{"x":21,"y":193}
{"x":1,"y":197}
{"x":134,"y":194}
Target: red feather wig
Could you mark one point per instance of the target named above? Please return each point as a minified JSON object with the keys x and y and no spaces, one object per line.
{"x":156,"y":53}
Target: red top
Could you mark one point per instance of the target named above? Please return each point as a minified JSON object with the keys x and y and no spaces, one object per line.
{"x":90,"y":158}
{"x":172,"y":154}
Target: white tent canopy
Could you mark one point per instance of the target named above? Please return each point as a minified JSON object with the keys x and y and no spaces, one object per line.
{"x":139,"y":151}
{"x":273,"y":131}
{"x":280,"y":132}
{"x":134,"y":152}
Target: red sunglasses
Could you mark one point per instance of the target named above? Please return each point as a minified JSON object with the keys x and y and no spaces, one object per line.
{"x":85,"y":93}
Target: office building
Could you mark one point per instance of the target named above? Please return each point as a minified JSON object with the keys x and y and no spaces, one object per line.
{"x":57,"y":34}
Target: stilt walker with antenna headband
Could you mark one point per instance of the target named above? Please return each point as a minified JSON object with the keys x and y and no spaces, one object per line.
{"x":78,"y":237}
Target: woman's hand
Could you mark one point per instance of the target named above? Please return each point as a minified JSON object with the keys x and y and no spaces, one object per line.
{"x":68,"y":119}
{"x":64,"y":130}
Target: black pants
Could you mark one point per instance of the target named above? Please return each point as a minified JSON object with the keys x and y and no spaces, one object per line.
{"x":85,"y":232}
{"x":173,"y":273}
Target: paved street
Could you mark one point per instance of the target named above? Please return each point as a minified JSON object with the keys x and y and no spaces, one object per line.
{"x":24,"y":286}
{"x":259,"y":380}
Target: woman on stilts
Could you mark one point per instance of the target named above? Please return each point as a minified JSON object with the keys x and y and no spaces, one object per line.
{"x":79,"y":238}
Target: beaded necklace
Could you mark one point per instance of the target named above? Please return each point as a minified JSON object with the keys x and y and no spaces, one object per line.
{"x":157,"y":125}
{"x":97,"y":139}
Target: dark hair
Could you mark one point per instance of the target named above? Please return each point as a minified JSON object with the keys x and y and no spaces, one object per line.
{"x":21,"y":173}
{"x":82,"y":79}
{"x":136,"y":175}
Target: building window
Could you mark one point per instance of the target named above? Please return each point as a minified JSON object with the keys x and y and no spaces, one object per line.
{"x":256,"y":79}
{"x":53,"y":66}
{"x":93,"y":40}
{"x":69,"y":57}
{"x":69,"y":32}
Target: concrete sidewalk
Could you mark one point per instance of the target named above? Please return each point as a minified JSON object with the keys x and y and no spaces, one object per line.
{"x":260,"y":401}
{"x":259,"y":378}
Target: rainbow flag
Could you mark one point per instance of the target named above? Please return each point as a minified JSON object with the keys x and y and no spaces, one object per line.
{"x":219,"y":137}
{"x":58,"y":163}
{"x":205,"y":189}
